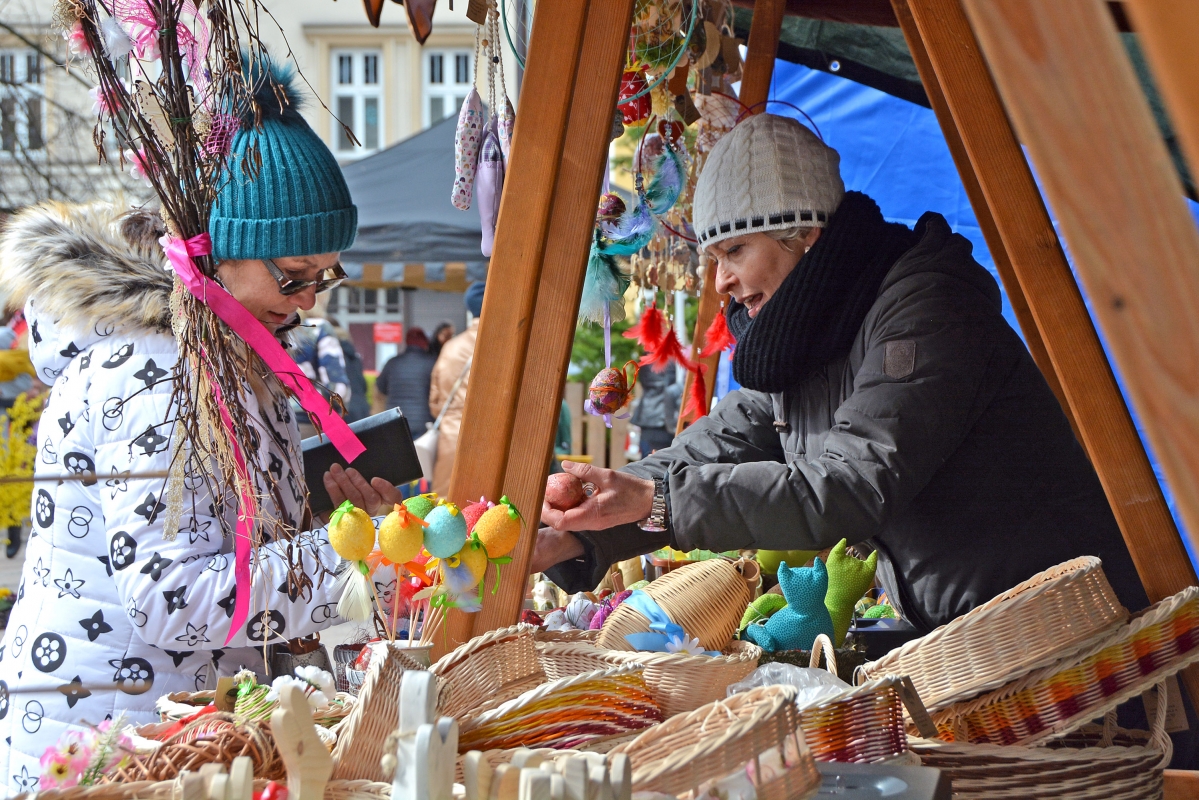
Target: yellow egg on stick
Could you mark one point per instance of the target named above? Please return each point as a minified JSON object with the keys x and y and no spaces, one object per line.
{"x":499,"y":529}
{"x":401,"y":535}
{"x":352,"y":536}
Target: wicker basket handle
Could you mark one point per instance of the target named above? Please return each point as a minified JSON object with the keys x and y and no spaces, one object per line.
{"x":751,"y":573}
{"x":824,"y":645}
{"x":1158,"y":736}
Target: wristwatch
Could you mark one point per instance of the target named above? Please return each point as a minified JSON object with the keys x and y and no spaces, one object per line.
{"x":656,"y":521}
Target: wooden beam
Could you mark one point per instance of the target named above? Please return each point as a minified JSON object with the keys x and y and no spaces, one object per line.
{"x":756,"y":74}
{"x":1075,"y":101}
{"x":1167,"y":33}
{"x":978,"y":201}
{"x":520,"y":242}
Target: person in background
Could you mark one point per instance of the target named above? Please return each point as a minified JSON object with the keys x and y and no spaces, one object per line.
{"x":358,"y":406}
{"x":657,"y":411}
{"x":441,"y":334}
{"x":317,"y":351}
{"x":452,"y":363}
{"x":404,"y":380}
{"x":16,"y":378}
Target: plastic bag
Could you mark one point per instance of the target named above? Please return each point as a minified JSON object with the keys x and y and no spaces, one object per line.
{"x":814,"y":685}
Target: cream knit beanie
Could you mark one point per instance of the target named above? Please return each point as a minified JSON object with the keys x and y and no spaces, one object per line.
{"x":768,"y":173}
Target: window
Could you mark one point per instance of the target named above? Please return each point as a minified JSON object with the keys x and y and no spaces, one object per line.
{"x":393,"y":301}
{"x":22,"y":128}
{"x":358,"y":101}
{"x":449,"y":75}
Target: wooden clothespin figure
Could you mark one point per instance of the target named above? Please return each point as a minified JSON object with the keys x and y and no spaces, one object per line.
{"x":476,"y":776}
{"x":535,"y":785}
{"x":308,"y":763}
{"x":427,"y":751}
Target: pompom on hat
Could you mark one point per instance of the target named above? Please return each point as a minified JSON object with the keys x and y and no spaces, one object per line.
{"x":768,"y":173}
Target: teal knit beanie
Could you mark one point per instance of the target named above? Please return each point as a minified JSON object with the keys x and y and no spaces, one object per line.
{"x":297,"y":203}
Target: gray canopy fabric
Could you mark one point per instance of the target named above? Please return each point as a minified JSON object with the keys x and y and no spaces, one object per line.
{"x":404,"y":209}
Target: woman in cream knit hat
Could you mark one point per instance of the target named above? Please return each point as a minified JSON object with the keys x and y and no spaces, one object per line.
{"x":885,"y":400}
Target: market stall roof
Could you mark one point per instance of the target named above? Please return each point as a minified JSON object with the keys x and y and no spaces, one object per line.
{"x":404,"y":210}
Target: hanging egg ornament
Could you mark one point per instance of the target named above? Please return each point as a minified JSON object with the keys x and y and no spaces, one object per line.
{"x":351,"y":532}
{"x":611,"y":208}
{"x":421,"y":504}
{"x":634,"y":109}
{"x":446,"y":532}
{"x":611,"y":390}
{"x":401,"y":535}
{"x":499,"y":529}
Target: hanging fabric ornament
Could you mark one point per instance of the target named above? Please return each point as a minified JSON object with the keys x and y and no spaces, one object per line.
{"x":507,"y":127}
{"x":634,"y":109}
{"x":611,"y":390}
{"x":466,"y":149}
{"x":717,"y":337}
{"x":489,"y":183}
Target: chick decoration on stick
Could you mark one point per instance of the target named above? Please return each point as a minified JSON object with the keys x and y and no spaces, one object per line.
{"x":352,"y":536}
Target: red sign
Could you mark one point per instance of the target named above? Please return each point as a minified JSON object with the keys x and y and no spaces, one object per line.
{"x":392,"y":332}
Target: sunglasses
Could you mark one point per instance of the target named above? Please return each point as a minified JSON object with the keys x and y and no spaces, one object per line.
{"x":329,"y":278}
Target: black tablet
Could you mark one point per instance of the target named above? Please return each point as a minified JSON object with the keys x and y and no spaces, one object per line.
{"x":389,"y":454}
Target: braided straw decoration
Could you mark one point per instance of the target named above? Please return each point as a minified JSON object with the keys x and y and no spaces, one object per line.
{"x":718,"y":739}
{"x":215,"y":738}
{"x":1057,"y":699}
{"x":1048,"y":617}
{"x":1039,"y":772}
{"x":489,"y":669}
{"x":173,"y":789}
{"x":706,"y":598}
{"x":863,"y":724}
{"x":359,"y":748}
{"x":678,"y":682}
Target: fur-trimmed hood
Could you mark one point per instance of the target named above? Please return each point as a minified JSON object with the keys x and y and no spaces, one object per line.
{"x":77,"y":266}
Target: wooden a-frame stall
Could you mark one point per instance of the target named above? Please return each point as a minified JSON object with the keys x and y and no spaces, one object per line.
{"x":998,"y":73}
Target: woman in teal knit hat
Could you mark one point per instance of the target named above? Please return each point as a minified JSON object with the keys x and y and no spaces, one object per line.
{"x":129,"y":593}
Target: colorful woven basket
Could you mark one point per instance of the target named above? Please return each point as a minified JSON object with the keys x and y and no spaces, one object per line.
{"x":706,"y":598}
{"x":1041,"y":621}
{"x":720,"y":738}
{"x":566,"y":713}
{"x":489,"y":669}
{"x":678,"y":682}
{"x":1160,"y":642}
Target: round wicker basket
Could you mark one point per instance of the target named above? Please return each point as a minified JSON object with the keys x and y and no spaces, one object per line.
{"x":720,"y":738}
{"x":678,"y":682}
{"x":1045,"y":619}
{"x":706,"y":598}
{"x":489,"y":669}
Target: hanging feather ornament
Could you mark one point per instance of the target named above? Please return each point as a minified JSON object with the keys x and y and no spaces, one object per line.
{"x":604,"y":285}
{"x":697,"y":398}
{"x":650,"y":330}
{"x":717,"y":337}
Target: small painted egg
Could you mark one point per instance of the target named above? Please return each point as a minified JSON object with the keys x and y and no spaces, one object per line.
{"x":446,"y":532}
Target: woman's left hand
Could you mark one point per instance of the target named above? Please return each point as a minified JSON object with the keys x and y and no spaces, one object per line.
{"x":376,"y":497}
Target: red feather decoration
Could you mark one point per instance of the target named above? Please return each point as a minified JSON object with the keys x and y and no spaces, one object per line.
{"x":717,"y":337}
{"x":650,"y":330}
{"x":670,"y":349}
{"x":697,"y":398}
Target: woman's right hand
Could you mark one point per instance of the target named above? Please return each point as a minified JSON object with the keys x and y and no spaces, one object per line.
{"x":619,"y":498}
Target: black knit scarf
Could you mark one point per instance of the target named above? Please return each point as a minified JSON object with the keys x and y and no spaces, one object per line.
{"x":814,"y":316}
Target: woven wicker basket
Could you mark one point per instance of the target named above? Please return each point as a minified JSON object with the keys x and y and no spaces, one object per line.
{"x":359,"y":748}
{"x":489,"y":670}
{"x":170,"y":790}
{"x":565,"y":714}
{"x":1045,"y":619}
{"x":562,"y":637}
{"x":706,"y":598}
{"x":1056,"y":699}
{"x":986,"y":771}
{"x":720,"y":738}
{"x":678,"y":682}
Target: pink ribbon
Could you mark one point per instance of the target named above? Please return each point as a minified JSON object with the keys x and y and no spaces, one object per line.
{"x":179,"y":253}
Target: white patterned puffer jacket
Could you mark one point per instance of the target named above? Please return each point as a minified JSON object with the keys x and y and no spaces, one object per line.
{"x":111,"y":614}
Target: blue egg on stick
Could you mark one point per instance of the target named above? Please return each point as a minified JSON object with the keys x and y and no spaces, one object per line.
{"x":446,"y":532}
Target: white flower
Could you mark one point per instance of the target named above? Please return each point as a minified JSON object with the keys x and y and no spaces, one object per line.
{"x":684,"y":645}
{"x":317,"y":678}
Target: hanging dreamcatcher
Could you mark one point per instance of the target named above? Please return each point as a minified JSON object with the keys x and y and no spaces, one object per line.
{"x":484,"y":135}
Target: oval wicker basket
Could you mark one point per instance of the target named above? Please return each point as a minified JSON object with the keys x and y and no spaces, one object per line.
{"x":1057,"y":699}
{"x":678,"y":682}
{"x":706,"y":598}
{"x":720,"y":738}
{"x":489,"y":669}
{"x":562,"y":637}
{"x":172,"y":789}
{"x":1044,"y":619}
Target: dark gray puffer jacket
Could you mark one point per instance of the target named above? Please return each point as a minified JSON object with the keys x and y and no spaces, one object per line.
{"x":936,"y":441}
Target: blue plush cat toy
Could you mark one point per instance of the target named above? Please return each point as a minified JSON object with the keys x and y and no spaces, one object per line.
{"x":796,"y":626}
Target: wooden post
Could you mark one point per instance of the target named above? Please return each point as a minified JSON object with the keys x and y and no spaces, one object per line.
{"x":764,"y":30}
{"x":575,"y":198}
{"x":978,"y":200}
{"x":520,"y":242}
{"x":1076,"y":103}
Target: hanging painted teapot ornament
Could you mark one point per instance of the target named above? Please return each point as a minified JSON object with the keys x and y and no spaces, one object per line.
{"x":611,"y":390}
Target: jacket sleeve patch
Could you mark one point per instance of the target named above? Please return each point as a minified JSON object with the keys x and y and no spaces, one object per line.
{"x":899,"y":358}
